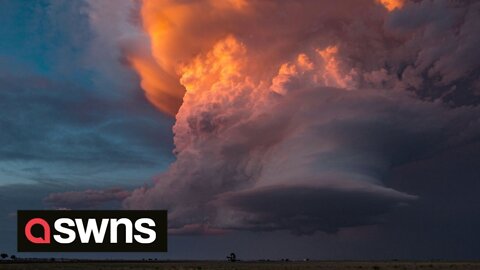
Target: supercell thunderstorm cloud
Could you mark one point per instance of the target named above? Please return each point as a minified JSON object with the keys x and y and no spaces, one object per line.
{"x":290,"y":115}
{"x":317,"y":129}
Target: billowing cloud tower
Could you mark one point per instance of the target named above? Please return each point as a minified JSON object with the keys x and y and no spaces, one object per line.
{"x":290,"y":114}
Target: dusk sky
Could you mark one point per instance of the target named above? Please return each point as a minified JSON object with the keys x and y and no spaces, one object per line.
{"x":345,"y":129}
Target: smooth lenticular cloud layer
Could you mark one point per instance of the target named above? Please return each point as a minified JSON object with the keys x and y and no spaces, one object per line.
{"x":290,"y":114}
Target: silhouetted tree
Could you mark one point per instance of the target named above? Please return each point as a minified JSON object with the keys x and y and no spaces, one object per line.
{"x":232,"y":257}
{"x":13,"y":257}
{"x":4,"y":255}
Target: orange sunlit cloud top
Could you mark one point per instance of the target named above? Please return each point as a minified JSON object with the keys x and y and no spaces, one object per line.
{"x":176,"y":40}
{"x":171,"y":49}
{"x":160,"y":88}
{"x":391,"y":5}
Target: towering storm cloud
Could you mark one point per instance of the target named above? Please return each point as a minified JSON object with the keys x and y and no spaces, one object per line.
{"x":290,"y":115}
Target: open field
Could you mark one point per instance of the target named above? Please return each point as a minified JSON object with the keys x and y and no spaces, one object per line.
{"x":330,"y":265}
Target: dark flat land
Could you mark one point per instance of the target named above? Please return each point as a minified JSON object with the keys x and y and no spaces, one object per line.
{"x":241,"y":265}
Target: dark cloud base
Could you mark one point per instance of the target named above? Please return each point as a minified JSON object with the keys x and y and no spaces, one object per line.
{"x":306,"y":210}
